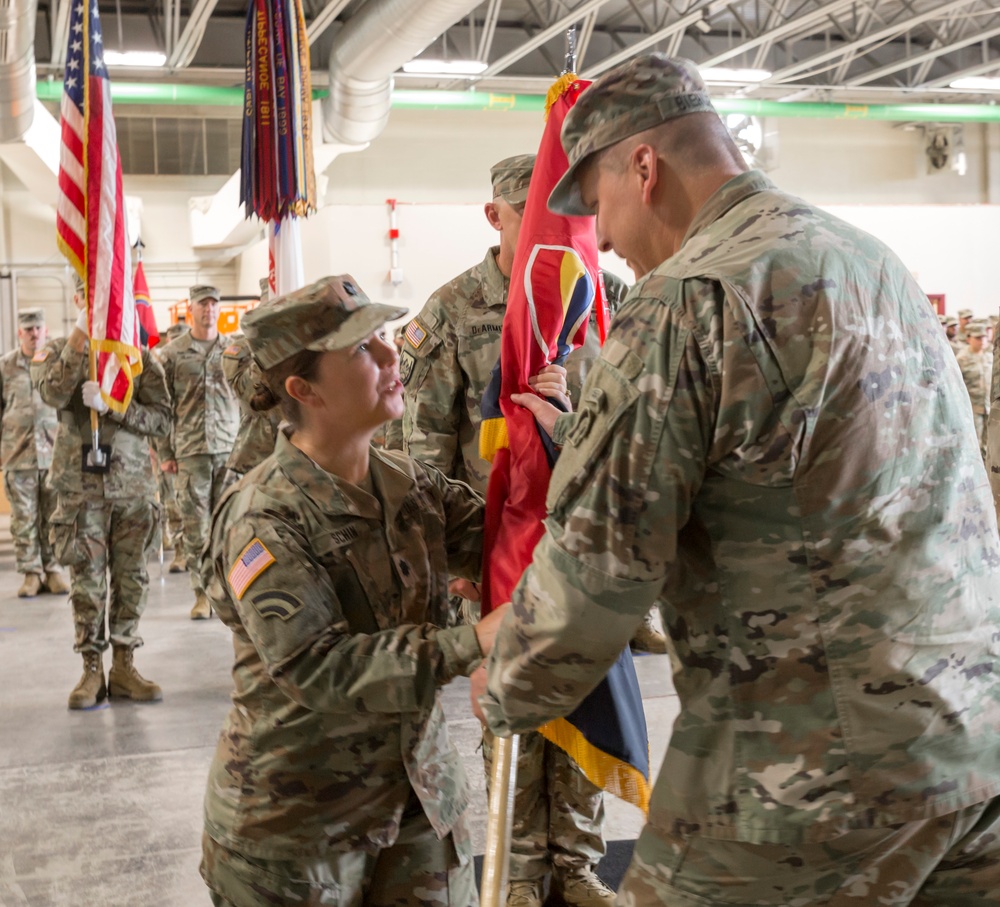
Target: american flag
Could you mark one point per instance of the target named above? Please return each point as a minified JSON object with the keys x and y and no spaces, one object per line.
{"x":252,"y":562}
{"x":90,"y":218}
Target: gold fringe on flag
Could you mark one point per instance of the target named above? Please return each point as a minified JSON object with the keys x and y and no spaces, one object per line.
{"x":558,"y":89}
{"x":492,"y":437}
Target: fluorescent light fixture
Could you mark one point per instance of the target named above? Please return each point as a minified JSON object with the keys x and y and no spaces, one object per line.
{"x":733,"y":76}
{"x":977,"y":83}
{"x":430,"y":67}
{"x":134,"y":58}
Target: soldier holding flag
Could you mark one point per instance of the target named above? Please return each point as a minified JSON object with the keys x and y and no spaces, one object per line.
{"x":774,"y":444}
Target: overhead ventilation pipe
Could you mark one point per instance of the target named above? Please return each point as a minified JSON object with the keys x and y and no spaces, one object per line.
{"x":17,"y":67}
{"x":383,"y":36}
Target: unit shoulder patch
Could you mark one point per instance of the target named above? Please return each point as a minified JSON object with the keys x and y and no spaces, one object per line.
{"x":252,"y":562}
{"x":406,"y":363}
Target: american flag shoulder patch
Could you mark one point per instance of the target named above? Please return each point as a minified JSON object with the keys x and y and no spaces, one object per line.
{"x":252,"y":562}
{"x":232,"y":350}
{"x":41,"y":356}
{"x":416,"y":334}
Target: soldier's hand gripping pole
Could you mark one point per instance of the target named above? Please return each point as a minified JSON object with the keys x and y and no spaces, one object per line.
{"x":499,"y":819}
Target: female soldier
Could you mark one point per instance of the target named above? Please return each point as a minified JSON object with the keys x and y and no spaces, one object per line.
{"x":334,"y":780}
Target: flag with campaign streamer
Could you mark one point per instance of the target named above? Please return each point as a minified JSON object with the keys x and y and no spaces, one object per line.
{"x":277,"y":178}
{"x":148,"y":331}
{"x":554,"y":286}
{"x":90,"y":217}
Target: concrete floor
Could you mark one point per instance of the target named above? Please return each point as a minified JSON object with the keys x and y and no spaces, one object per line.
{"x":103,"y":808}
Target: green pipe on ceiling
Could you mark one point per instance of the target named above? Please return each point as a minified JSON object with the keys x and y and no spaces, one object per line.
{"x":159,"y":93}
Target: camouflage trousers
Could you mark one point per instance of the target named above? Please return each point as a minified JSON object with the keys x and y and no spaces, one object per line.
{"x":951,"y":861}
{"x":32,"y":504}
{"x":419,"y":870}
{"x":171,"y":524}
{"x":981,"y":420}
{"x":99,"y":541}
{"x":201,"y":480}
{"x":558,"y":812}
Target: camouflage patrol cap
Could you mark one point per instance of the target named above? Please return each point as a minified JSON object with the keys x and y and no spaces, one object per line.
{"x":29,"y":318}
{"x":331,"y":314}
{"x":942,"y":319}
{"x":203,"y":291}
{"x":175,"y":330}
{"x":975,"y":329}
{"x":644,"y":92}
{"x":511,"y":177}
{"x":965,"y":313}
{"x":950,"y":321}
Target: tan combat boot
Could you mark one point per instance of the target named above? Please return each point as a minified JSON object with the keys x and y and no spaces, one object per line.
{"x":525,"y":893}
{"x":202,"y":609}
{"x":648,"y":637}
{"x":31,"y":586}
{"x":55,"y":583}
{"x":125,"y":682}
{"x":91,"y":688}
{"x":179,"y":562}
{"x":582,"y":888}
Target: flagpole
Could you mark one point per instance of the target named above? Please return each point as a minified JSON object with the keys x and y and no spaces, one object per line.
{"x":499,"y":819}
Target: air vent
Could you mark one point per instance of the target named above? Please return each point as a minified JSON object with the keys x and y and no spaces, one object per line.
{"x":179,"y":146}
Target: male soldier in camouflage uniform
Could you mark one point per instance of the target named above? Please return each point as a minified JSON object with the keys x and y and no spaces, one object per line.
{"x":449,"y":353}
{"x":964,"y":317}
{"x":774,"y":444}
{"x":976,"y":363}
{"x":27,"y":429}
{"x":104,"y":523}
{"x":171,"y":523}
{"x":205,"y":420}
{"x":951,"y":330}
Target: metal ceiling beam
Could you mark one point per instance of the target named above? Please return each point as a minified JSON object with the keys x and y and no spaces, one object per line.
{"x":608,"y":62}
{"x":920,"y":58}
{"x":980,"y":69}
{"x":845,"y":49}
{"x":489,"y":29}
{"x":190,"y":39}
{"x":60,"y":33}
{"x":807,"y":23}
{"x":546,"y":34}
{"x":586,"y":33}
{"x":325,"y":19}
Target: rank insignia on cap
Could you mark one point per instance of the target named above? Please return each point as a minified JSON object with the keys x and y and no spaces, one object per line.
{"x":231,"y":350}
{"x":41,"y":356}
{"x":415,"y":334}
{"x":251,"y":563}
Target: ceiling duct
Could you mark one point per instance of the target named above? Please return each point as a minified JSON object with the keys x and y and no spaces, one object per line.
{"x":17,"y":67}
{"x":383,"y":36}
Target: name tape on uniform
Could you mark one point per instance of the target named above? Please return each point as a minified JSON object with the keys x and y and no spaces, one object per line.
{"x":252,"y":562}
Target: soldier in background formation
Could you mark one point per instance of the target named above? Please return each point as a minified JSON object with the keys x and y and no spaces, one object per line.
{"x":171,"y":522}
{"x":976,"y":362}
{"x":803,"y":497}
{"x":258,"y":430}
{"x":27,"y":430}
{"x":205,"y":421}
{"x":104,"y":523}
{"x":449,"y":352}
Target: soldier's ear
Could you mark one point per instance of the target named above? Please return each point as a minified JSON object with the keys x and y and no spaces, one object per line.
{"x":492,"y":216}
{"x":300,"y":390}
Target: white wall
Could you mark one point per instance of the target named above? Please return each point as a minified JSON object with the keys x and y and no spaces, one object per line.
{"x":436,"y":164}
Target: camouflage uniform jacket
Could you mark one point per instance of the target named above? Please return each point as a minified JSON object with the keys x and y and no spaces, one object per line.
{"x":58,"y":371}
{"x":339,"y":653}
{"x":977,"y":371}
{"x":27,"y":425}
{"x":258,"y":430}
{"x":775,"y":442}
{"x":205,"y":407}
{"x":446,"y":364}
